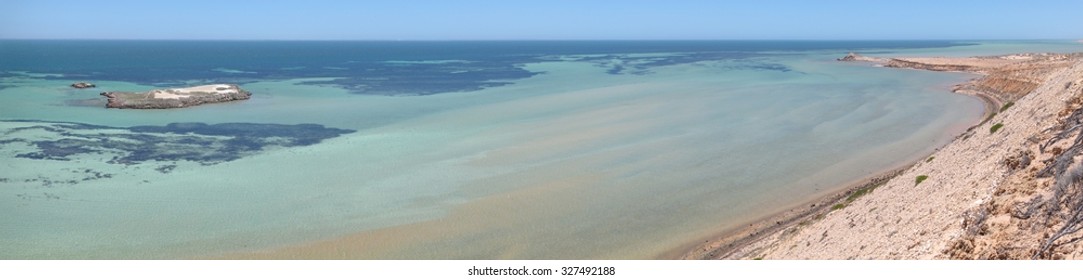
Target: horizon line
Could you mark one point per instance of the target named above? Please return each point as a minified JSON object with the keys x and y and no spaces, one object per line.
{"x":513,"y":40}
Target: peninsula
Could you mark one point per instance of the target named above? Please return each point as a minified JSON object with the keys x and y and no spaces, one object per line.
{"x":1008,"y":188}
{"x":176,"y":97}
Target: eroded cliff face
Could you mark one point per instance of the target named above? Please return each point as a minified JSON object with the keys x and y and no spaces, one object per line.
{"x":175,"y":98}
{"x":902,"y":63}
{"x":1036,"y":211}
{"x":1007,"y":78}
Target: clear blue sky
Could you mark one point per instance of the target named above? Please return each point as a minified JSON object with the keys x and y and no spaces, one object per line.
{"x":540,"y":19}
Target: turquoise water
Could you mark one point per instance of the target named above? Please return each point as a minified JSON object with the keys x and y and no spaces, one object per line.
{"x":625,"y":150}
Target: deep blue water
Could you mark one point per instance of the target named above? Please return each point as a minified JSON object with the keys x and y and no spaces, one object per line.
{"x":376,"y":67}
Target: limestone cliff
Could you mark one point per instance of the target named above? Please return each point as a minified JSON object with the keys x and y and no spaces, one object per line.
{"x":901,"y":63}
{"x":1006,"y":78}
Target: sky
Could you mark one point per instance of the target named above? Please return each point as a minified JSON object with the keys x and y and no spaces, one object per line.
{"x":540,"y":20}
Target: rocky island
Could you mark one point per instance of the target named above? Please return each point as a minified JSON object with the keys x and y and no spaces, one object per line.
{"x":82,"y":85}
{"x":857,"y":57}
{"x":175,"y":97}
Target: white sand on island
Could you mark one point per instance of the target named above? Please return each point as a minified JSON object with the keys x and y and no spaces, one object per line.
{"x":177,"y":93}
{"x":216,"y":88}
{"x":161,"y":94}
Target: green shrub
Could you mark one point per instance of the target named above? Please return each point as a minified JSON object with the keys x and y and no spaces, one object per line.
{"x":1006,"y":106}
{"x":859,"y":193}
{"x":920,"y":179}
{"x":995,"y":128}
{"x":855,"y":195}
{"x":930,"y":159}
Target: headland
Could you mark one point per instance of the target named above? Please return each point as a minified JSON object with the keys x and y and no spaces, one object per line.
{"x":1008,"y":188}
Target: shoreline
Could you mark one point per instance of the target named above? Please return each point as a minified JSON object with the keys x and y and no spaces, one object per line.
{"x":738,"y":243}
{"x":736,"y":239}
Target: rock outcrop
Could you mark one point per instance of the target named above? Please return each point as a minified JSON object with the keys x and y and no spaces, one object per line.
{"x":901,"y":63}
{"x":81,"y":85}
{"x":1007,"y":77}
{"x":175,"y":97}
{"x":857,"y":57}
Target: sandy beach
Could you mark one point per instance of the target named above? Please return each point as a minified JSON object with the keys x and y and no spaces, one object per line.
{"x":983,"y":196}
{"x":178,"y":93}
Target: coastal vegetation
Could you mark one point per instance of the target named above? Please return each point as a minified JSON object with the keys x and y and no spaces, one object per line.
{"x":988,"y":117}
{"x":920,"y":178}
{"x":995,"y":127}
{"x":858,"y":193}
{"x":1006,"y":106}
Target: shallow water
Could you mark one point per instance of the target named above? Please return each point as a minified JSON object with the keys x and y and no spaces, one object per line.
{"x":581,"y":159}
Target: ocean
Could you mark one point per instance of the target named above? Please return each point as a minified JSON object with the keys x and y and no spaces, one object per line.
{"x":451,"y":150}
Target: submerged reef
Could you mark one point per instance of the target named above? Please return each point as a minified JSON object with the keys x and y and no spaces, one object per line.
{"x":203,"y":143}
